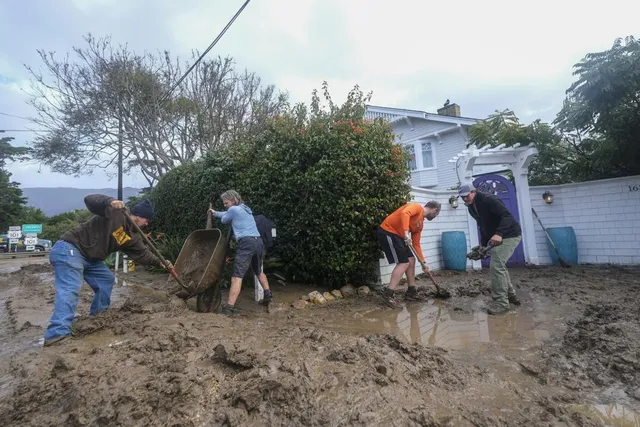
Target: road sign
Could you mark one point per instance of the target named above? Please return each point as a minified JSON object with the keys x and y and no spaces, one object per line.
{"x":31,"y":248}
{"x":15,"y":228}
{"x":31,"y":241}
{"x":14,"y":234}
{"x":13,"y":241}
{"x":32,"y":228}
{"x":31,"y":235}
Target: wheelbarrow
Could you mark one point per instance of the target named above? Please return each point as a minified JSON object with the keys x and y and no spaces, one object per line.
{"x":200,"y":265}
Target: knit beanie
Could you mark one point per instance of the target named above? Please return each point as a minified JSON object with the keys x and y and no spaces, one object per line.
{"x":143,"y":209}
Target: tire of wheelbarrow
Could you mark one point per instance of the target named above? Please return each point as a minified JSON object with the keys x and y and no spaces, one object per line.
{"x":209,"y":300}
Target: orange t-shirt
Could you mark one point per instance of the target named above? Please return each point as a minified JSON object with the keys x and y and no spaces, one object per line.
{"x":409,"y":217}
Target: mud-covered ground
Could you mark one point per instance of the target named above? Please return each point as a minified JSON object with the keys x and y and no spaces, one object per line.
{"x":569,"y":356}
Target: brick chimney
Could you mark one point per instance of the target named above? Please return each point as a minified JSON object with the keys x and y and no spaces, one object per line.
{"x":450,"y":110}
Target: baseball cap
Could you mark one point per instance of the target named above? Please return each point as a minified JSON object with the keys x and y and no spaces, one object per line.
{"x":465,"y":189}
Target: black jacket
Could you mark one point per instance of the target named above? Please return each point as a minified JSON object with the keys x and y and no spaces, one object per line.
{"x":493,"y":217}
{"x":265,"y":225}
{"x":107,"y":232}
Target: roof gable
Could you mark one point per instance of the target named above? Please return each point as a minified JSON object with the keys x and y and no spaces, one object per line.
{"x":393,"y":115}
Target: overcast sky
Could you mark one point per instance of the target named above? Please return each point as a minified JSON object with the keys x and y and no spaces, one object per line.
{"x":483,"y":55}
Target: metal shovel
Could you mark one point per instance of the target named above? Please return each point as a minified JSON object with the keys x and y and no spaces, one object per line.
{"x":439,"y":291}
{"x":155,"y":251}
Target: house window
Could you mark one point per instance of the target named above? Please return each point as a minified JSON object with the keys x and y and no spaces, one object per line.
{"x":427,"y":155}
{"x":411,"y":151}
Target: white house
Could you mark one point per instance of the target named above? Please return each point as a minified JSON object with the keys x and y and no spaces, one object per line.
{"x":430,"y":140}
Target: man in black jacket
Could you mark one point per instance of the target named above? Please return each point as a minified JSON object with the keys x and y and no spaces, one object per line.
{"x":79,"y":254}
{"x":499,"y":227}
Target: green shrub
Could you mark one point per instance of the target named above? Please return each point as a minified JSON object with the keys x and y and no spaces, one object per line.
{"x":181,"y":198}
{"x":169,"y":247}
{"x":327,"y":178}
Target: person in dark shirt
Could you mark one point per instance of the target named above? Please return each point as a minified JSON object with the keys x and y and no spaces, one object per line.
{"x":265,"y":228}
{"x":80,"y":253}
{"x":500,"y":228}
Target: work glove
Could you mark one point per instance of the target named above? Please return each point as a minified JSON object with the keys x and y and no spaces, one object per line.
{"x":425,"y":268}
{"x":118,"y":204}
{"x":407,"y":239}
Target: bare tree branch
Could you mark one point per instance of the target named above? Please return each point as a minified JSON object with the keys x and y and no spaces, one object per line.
{"x":79,"y":102}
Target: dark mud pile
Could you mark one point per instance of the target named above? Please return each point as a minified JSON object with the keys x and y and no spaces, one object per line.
{"x":600,"y":349}
{"x":606,"y":341}
{"x":336,"y":384}
{"x":456,"y":285}
{"x":600,"y":346}
{"x":33,"y":269}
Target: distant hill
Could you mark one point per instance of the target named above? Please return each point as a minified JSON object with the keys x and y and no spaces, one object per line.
{"x":57,"y":200}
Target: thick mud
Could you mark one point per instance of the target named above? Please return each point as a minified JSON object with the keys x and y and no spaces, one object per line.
{"x":567,"y":357}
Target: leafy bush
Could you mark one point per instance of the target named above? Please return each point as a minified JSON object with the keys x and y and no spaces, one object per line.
{"x":182,"y":196}
{"x":169,"y":247}
{"x":327,"y":178}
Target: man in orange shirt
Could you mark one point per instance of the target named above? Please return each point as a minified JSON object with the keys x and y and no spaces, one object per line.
{"x":400,"y":229}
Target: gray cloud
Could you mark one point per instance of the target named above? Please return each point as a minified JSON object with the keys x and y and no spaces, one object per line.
{"x":411,"y":54}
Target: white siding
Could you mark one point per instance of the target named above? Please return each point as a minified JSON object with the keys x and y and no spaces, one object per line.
{"x":605,"y":216}
{"x":452,"y":144}
{"x":450,"y":219}
{"x":443,"y":175}
{"x":425,"y":178}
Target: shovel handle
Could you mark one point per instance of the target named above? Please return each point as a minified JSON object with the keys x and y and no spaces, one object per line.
{"x":155,"y":251}
{"x":209,"y":217}
{"x":432,"y":279}
{"x":415,"y":254}
{"x":172,"y":271}
{"x":423,"y":264}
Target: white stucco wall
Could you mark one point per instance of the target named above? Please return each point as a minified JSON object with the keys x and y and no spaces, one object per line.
{"x":605,"y":216}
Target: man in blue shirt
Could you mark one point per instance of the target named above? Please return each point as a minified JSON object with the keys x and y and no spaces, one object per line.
{"x":249,"y":250}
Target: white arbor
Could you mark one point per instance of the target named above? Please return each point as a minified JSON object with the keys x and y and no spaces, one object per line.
{"x":516,"y":158}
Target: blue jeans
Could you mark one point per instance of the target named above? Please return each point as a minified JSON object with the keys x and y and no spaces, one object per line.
{"x":70,"y":269}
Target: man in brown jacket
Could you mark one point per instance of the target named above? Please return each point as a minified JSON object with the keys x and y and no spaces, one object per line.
{"x":80,"y":254}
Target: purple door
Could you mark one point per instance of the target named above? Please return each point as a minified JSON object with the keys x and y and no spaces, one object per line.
{"x":505,"y":190}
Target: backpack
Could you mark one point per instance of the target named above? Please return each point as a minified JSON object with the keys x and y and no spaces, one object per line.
{"x":266,"y":228}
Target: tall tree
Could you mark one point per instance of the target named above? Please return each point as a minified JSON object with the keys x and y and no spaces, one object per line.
{"x":108,"y":94}
{"x":11,"y":200}
{"x":560,"y":159}
{"x":602,"y":108}
{"x":595,"y":135}
{"x":31,"y":215}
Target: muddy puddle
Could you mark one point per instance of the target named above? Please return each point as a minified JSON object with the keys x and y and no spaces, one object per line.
{"x":459,"y":323}
{"x":614,"y":415}
{"x":439,"y":323}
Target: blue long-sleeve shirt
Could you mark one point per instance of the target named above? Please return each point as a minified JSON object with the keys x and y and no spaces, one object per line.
{"x":242,"y":221}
